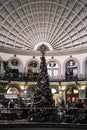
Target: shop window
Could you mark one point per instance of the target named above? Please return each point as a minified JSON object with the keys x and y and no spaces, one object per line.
{"x":72,"y":95}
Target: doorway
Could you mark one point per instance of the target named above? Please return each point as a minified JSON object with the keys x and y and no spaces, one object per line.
{"x":72,"y":95}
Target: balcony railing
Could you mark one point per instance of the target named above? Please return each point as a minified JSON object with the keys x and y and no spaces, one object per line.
{"x":33,"y":78}
{"x":49,"y":115}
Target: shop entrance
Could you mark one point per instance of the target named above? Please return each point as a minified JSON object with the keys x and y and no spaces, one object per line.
{"x":72,"y":95}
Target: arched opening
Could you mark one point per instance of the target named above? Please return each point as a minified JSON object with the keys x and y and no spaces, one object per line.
{"x":15,"y":63}
{"x":33,"y":66}
{"x":71,"y":71}
{"x":32,"y":69}
{"x":13,"y":90}
{"x":53,"y":69}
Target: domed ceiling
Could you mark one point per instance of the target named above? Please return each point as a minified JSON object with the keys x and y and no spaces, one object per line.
{"x":60,"y":24}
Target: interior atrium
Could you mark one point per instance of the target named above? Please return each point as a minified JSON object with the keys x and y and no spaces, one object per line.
{"x":59,"y":25}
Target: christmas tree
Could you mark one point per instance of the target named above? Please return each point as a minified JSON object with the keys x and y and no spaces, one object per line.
{"x":43,"y":96}
{"x":43,"y":101}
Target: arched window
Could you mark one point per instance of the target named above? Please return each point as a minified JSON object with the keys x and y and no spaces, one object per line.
{"x":71,"y":70}
{"x":33,"y":66}
{"x":13,"y":90}
{"x":53,"y":69}
{"x":14,"y":62}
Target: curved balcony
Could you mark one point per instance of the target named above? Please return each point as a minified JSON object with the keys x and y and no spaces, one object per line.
{"x":33,"y":78}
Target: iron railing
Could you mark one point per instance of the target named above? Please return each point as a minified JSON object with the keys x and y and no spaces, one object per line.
{"x":33,"y":78}
{"x":51,"y":115}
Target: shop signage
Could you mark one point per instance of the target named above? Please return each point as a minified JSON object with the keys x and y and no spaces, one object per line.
{"x":10,"y":96}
